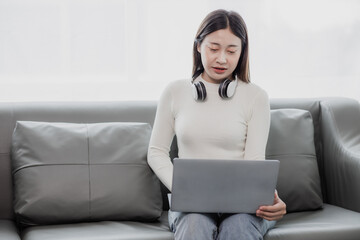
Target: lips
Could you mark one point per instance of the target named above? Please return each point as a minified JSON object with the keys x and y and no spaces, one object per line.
{"x":219,"y":69}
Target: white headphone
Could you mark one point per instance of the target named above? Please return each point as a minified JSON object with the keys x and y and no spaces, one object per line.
{"x":226,"y":89}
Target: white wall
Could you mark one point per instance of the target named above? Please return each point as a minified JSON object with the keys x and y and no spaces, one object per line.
{"x":130,"y":49}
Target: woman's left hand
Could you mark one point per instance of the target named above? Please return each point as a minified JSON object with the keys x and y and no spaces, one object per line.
{"x":273,"y":212}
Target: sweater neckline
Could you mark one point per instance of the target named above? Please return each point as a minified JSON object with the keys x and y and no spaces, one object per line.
{"x":210,"y":87}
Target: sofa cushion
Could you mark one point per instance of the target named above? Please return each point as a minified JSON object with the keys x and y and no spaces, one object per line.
{"x":8,"y":230}
{"x":68,"y":172}
{"x":291,"y":140}
{"x":329,"y":223}
{"x":109,"y":230}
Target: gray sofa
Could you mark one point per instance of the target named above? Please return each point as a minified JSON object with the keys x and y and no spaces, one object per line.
{"x":333,"y":197}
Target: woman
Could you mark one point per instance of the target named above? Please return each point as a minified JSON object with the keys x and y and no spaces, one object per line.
{"x":217,"y":114}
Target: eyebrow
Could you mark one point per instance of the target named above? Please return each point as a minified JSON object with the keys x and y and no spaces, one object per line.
{"x":217,"y":44}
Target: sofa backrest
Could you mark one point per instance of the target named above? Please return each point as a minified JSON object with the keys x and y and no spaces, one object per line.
{"x":92,"y":112}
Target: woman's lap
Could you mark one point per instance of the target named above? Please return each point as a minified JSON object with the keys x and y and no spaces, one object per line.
{"x":202,"y":226}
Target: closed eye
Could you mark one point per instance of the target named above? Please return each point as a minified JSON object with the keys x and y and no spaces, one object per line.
{"x":232,"y":50}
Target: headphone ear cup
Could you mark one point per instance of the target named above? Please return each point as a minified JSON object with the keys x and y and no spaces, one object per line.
{"x":230,"y":91}
{"x":199,"y":91}
{"x":227,"y":88}
{"x":223,"y":88}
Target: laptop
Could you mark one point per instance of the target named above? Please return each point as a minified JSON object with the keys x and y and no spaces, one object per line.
{"x":223,"y":186}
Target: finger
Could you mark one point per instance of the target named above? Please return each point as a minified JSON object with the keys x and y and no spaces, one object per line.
{"x":270,"y":216}
{"x":273,"y":218}
{"x":274,"y":208}
{"x":271,"y":212}
{"x":276,"y":198}
{"x":277,"y":206}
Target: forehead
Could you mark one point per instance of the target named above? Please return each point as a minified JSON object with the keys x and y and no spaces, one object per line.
{"x":224,"y":37}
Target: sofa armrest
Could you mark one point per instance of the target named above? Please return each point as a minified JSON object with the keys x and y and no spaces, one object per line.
{"x":340,"y":130}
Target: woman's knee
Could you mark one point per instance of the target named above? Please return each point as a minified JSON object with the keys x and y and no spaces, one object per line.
{"x":196,"y":226}
{"x":241,"y":226}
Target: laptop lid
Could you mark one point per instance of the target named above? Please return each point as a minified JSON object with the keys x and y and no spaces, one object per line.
{"x":223,"y":186}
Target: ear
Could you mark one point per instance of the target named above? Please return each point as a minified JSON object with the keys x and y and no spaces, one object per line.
{"x":198,"y":47}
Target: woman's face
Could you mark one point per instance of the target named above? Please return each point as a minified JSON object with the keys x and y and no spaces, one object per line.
{"x":220,"y":52}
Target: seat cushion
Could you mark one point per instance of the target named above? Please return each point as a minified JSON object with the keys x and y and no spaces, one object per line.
{"x":329,"y":223}
{"x":68,"y":172}
{"x":8,"y":230}
{"x":109,"y":230}
{"x":291,"y":140}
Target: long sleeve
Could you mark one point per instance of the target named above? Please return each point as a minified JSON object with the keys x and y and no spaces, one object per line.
{"x":161,"y":139}
{"x":235,"y":128}
{"x":258,"y":127}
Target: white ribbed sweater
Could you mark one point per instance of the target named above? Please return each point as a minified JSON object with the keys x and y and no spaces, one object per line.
{"x":236,"y":128}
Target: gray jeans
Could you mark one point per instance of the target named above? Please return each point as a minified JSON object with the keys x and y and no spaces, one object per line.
{"x":199,"y":226}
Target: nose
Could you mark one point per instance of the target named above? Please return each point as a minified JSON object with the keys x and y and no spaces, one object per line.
{"x":221,"y":58}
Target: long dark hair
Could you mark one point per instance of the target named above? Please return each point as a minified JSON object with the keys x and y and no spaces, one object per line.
{"x":221,"y":19}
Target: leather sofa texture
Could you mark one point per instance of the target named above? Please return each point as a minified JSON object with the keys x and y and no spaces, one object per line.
{"x":335,"y":212}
